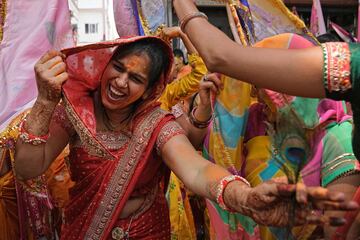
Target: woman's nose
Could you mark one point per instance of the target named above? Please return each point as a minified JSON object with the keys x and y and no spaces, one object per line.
{"x":122,"y":81}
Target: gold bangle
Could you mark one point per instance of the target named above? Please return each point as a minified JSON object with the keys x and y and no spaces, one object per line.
{"x":190,"y":16}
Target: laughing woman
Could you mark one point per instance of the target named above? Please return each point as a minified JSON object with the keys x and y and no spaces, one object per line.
{"x":122,"y":145}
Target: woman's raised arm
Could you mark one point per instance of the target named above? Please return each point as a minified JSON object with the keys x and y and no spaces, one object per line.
{"x":39,"y":144}
{"x":295,"y":72}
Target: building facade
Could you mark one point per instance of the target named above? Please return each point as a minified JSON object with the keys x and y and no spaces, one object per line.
{"x":92,"y":20}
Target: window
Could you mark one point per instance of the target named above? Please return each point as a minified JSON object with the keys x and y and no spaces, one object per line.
{"x":91,"y":28}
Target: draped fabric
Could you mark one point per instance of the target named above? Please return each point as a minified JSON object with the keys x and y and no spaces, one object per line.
{"x":9,"y":221}
{"x":32,"y":208}
{"x":272,"y":17}
{"x":327,"y":130}
{"x":225,"y":142}
{"x":139,"y":17}
{"x":2,"y":17}
{"x":105,"y":177}
{"x":26,"y":37}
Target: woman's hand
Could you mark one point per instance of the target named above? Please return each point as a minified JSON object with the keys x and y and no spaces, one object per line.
{"x":209,"y":83}
{"x":272,"y":203}
{"x":169,"y":33}
{"x":50,"y":72}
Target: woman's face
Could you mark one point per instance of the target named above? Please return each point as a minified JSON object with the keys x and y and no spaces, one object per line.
{"x":124,"y":81}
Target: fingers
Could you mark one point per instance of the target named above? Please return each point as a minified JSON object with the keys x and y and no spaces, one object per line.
{"x":209,"y":85}
{"x":49,"y":55}
{"x":52,"y":62}
{"x":301,"y":193}
{"x":320,"y":193}
{"x":50,"y":65}
{"x":215,"y":79}
{"x":212,"y":82}
{"x":331,"y":205}
{"x":322,"y":220}
{"x":63,"y":77}
{"x":285,"y":190}
{"x":57,"y":69}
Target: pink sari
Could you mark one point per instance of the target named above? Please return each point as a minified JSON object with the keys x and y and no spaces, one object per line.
{"x":107,"y":177}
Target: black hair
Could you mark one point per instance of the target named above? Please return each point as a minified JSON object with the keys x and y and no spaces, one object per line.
{"x":179,"y":53}
{"x":329,"y":37}
{"x":156,"y":52}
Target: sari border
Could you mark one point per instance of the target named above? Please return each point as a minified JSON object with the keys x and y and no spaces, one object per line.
{"x":122,"y":174}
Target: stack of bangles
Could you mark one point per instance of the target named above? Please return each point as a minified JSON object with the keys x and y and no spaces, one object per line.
{"x":27,"y":137}
{"x":222,"y":186}
{"x":196,"y":123}
{"x":190,"y":16}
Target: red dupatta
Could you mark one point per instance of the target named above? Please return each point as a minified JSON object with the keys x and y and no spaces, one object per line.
{"x":85,"y":66}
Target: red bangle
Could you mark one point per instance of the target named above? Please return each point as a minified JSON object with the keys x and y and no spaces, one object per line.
{"x":196,"y":122}
{"x":221,"y":189}
{"x":27,"y":137}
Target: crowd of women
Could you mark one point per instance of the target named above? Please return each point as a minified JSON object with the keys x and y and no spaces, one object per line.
{"x":122,"y":122}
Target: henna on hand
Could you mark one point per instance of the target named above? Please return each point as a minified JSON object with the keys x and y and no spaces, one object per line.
{"x":235,"y":196}
{"x":38,"y":120}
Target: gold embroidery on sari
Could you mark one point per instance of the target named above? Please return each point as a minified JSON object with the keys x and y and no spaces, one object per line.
{"x":337,"y":58}
{"x":123,"y":173}
{"x":89,"y":142}
{"x":168,"y":131}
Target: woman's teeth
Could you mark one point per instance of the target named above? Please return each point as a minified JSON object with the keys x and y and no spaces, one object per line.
{"x":115,"y":94}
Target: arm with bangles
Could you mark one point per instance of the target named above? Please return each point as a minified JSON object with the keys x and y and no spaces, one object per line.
{"x":269,"y":203}
{"x":288,"y":71}
{"x":201,"y":116}
{"x":39,"y":144}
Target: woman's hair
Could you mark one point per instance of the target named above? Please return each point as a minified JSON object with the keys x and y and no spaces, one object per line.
{"x":159,"y":60}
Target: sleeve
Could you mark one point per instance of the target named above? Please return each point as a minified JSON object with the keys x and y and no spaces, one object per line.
{"x":341,"y":80}
{"x":169,"y":130}
{"x":60,"y":118}
{"x":185,"y":86}
{"x":338,"y":159}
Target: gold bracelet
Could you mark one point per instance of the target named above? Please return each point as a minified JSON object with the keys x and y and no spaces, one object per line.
{"x":190,"y":16}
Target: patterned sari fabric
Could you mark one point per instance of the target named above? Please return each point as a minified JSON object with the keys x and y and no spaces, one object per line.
{"x":224,"y":146}
{"x":139,"y":17}
{"x":49,"y":28}
{"x":111,"y":167}
{"x":322,"y":126}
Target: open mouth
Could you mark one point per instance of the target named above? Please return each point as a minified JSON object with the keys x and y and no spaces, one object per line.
{"x":115,"y":94}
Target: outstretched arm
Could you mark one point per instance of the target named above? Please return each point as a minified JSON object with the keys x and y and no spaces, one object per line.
{"x":295,"y":72}
{"x":268,"y":203}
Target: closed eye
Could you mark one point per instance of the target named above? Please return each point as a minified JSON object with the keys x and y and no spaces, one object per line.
{"x":136,"y":78}
{"x":118,"y":67}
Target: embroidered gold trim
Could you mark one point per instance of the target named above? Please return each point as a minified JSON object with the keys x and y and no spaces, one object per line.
{"x":168,"y":131}
{"x":89,"y":142}
{"x":337,"y":58}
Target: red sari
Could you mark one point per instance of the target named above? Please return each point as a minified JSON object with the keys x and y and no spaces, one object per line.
{"x":108,"y":168}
